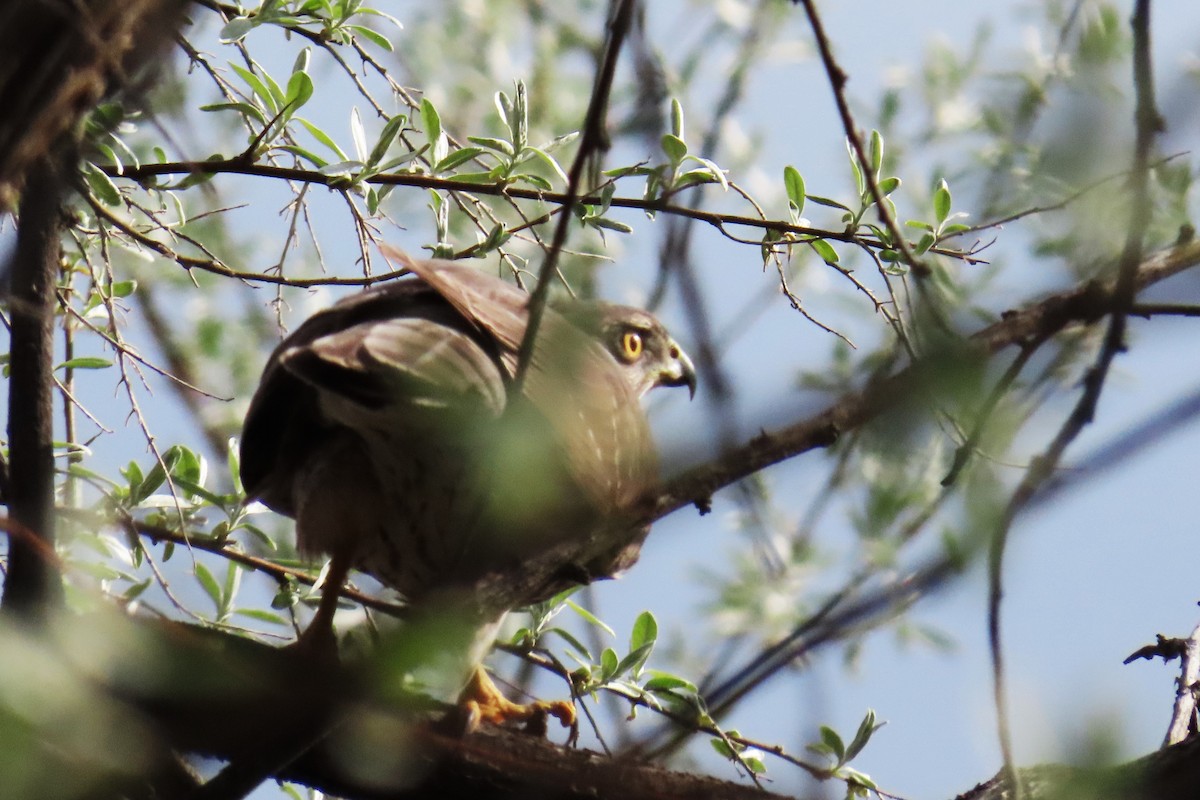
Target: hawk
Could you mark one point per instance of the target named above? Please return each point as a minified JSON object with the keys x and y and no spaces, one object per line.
{"x":393,"y":428}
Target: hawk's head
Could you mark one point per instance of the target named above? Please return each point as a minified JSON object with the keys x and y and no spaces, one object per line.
{"x":639,"y":343}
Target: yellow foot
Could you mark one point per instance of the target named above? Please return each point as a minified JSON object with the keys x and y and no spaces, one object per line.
{"x":482,"y":702}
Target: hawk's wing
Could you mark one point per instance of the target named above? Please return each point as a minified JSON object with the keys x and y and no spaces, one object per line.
{"x":365,"y":360}
{"x":573,"y":381}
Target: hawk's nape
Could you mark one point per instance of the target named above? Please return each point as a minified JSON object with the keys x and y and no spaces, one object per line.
{"x":391,"y":428}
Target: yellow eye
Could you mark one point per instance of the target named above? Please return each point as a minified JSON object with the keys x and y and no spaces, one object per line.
{"x":631,"y":346}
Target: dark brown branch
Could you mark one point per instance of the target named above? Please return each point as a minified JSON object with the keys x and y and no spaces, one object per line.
{"x":33,"y":587}
{"x":591,"y":143}
{"x":837,"y":80}
{"x":963,"y":453}
{"x":57,"y":60}
{"x":229,"y":698}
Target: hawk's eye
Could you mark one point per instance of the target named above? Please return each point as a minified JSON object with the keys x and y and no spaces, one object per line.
{"x":631,"y":346}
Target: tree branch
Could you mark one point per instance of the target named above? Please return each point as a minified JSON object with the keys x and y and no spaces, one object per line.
{"x":1083,"y":304}
{"x":33,"y":587}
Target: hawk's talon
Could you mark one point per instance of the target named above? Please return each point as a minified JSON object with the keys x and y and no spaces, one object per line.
{"x":482,"y":702}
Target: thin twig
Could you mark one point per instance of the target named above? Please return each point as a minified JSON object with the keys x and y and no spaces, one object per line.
{"x":837,"y":80}
{"x":1147,"y":123}
{"x":1164,"y":309}
{"x":590,"y":142}
{"x":719,"y":221}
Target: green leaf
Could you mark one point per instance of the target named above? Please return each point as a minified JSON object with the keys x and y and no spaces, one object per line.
{"x":632,"y":663}
{"x":458,"y":157}
{"x":941,"y":202}
{"x":722,"y":748}
{"x":257,"y":87}
{"x":549,"y":162}
{"x":135,"y":591}
{"x":210,"y":586}
{"x":829,"y":203}
{"x":259,"y":534}
{"x":665,"y":681}
{"x":133,"y":474}
{"x":579,"y":646}
{"x":261,"y":615}
{"x":519,"y":118}
{"x":399,"y":161}
{"x":85,"y":362}
{"x":496,"y":237}
{"x":431,"y":122}
{"x":591,"y":619}
{"x":237,"y":28}
{"x":185,"y":464}
{"x":825,"y":250}
{"x":358,"y":135}
{"x":888,"y":185}
{"x":645,"y":631}
{"x":866,"y":729}
{"x":390,"y":131}
{"x":793,"y":183}
{"x":676,"y":119}
{"x":876,"y":153}
{"x":856,"y":778}
{"x":300,"y":89}
{"x":371,"y":35}
{"x":860,"y":184}
{"x":711,"y":168}
{"x":674,"y":148}
{"x":233,"y":579}
{"x":342,"y":168}
{"x":122,"y":288}
{"x":609,"y":224}
{"x":499,"y":145}
{"x":830,"y":738}
{"x":244,"y":108}
{"x":608,"y":664}
{"x":272,"y":86}
{"x":324,"y":139}
{"x":503,"y":108}
{"x":300,"y":63}
{"x":536,"y":181}
{"x":102,"y":186}
{"x":306,"y":155}
{"x":559,"y":141}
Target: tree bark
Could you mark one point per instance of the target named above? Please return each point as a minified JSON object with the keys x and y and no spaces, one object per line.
{"x":32,"y":586}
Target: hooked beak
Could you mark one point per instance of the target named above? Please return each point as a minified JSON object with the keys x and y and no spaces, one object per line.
{"x":681,"y":371}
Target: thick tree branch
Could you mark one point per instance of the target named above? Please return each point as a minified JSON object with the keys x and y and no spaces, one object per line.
{"x":32,"y":586}
{"x":58,"y":60}
{"x":231,"y":698}
{"x":204,"y":692}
